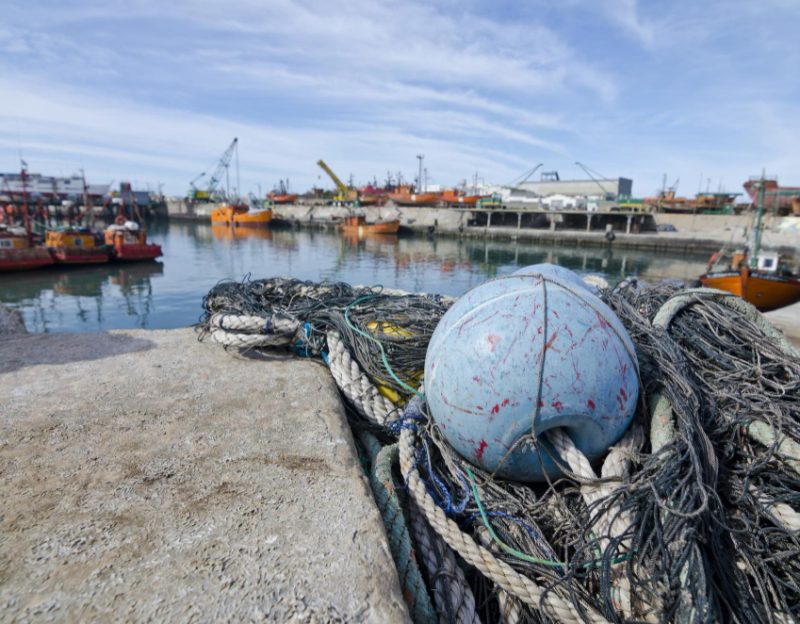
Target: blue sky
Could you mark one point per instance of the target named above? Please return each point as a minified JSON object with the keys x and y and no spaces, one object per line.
{"x":155,"y":91}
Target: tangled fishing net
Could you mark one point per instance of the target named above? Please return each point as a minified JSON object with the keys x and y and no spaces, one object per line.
{"x":691,"y":516}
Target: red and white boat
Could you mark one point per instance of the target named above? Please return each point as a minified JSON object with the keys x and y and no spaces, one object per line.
{"x":128,"y":242}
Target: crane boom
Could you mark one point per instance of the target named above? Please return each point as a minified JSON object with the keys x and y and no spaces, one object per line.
{"x":595,"y":180}
{"x":222,"y":166}
{"x":344,"y":192}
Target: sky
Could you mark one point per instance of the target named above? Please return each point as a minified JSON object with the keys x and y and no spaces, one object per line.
{"x":704,"y":94}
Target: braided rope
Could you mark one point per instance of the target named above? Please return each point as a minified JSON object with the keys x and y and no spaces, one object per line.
{"x":355,"y":385}
{"x":510,"y":606}
{"x":452,"y":595}
{"x":394,"y":521}
{"x":781,"y":512}
{"x":244,"y":331}
{"x":524,"y":588}
{"x":612,"y":522}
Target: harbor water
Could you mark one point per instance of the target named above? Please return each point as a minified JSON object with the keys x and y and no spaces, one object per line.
{"x":168,"y":293}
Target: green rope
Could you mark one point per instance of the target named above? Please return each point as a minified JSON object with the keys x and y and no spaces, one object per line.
{"x":513,"y":551}
{"x":383,"y":487}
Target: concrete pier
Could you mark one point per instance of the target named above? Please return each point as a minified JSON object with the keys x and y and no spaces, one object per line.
{"x":147,"y":477}
{"x":692,"y":233}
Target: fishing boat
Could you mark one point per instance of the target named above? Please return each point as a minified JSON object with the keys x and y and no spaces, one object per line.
{"x":405,"y":196}
{"x":777,"y":199}
{"x":281,"y":194}
{"x":128,"y":242}
{"x":357,"y":224}
{"x":282,"y":198}
{"x":73,"y":245}
{"x":240,"y":214}
{"x":17,"y":253}
{"x":760,"y":278}
{"x":453,"y":197}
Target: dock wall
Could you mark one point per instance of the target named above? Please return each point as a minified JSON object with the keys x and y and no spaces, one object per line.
{"x":693,"y":233}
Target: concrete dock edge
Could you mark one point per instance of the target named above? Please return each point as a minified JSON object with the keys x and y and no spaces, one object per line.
{"x":146,"y":476}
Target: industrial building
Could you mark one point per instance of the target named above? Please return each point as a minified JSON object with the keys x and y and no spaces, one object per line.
{"x":610,"y":189}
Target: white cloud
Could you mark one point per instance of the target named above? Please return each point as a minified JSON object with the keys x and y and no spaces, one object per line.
{"x":146,"y":89}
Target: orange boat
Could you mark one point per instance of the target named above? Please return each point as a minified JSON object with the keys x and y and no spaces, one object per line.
{"x":767,"y":287}
{"x":453,"y":197}
{"x":762,"y":279}
{"x":282,"y":198}
{"x":236,"y":215}
{"x":358,"y":225}
{"x":128,"y":242}
{"x":405,"y":197}
{"x":17,"y":253}
{"x":75,"y":246}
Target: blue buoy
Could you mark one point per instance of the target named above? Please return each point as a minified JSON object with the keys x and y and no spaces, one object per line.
{"x":525,"y":353}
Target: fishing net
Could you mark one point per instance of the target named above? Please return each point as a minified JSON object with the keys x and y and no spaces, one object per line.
{"x":690,"y":517}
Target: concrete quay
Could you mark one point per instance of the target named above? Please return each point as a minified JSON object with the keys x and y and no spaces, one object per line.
{"x":148,"y":477}
{"x":693,"y":233}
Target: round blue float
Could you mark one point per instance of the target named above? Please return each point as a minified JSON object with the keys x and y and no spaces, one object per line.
{"x":490,"y":350}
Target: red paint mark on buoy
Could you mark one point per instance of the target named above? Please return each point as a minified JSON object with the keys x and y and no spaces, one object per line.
{"x":541,"y":403}
{"x":505,"y":402}
{"x":493,"y":340}
{"x":623,"y":393}
{"x":476,"y":378}
{"x":480,"y":407}
{"x":495,"y":409}
{"x":551,"y":341}
{"x":555,"y":313}
{"x":591,"y":404}
{"x":558,"y":405}
{"x":481,"y":448}
{"x":603,"y":322}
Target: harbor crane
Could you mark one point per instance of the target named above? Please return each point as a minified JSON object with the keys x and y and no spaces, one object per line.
{"x":222,"y":167}
{"x":193,"y":186}
{"x":212,"y":188}
{"x":344,"y":194}
{"x":606,"y":193}
{"x":524,"y":177}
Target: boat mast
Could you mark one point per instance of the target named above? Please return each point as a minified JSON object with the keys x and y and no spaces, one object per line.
{"x":757,"y":234}
{"x":24,"y":176}
{"x":89,"y":212}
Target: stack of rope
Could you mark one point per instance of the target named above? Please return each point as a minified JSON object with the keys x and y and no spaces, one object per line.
{"x":692,"y":516}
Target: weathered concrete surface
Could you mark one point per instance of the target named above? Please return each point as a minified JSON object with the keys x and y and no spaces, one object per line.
{"x":146,"y":476}
{"x":787,"y":320}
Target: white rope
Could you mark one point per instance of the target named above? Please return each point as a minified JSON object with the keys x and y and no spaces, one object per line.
{"x":245,"y":331}
{"x":613,"y":521}
{"x":355,"y":384}
{"x":524,"y":588}
{"x":781,"y":512}
{"x":510,"y":606}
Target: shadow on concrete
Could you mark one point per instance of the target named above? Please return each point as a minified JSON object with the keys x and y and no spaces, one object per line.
{"x":55,"y":349}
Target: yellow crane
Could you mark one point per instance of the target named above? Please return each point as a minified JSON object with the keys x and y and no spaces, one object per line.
{"x":345,"y":194}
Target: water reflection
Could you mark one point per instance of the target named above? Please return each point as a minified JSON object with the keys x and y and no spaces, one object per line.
{"x":225,"y":232}
{"x":93,"y":297}
{"x":197,"y":256}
